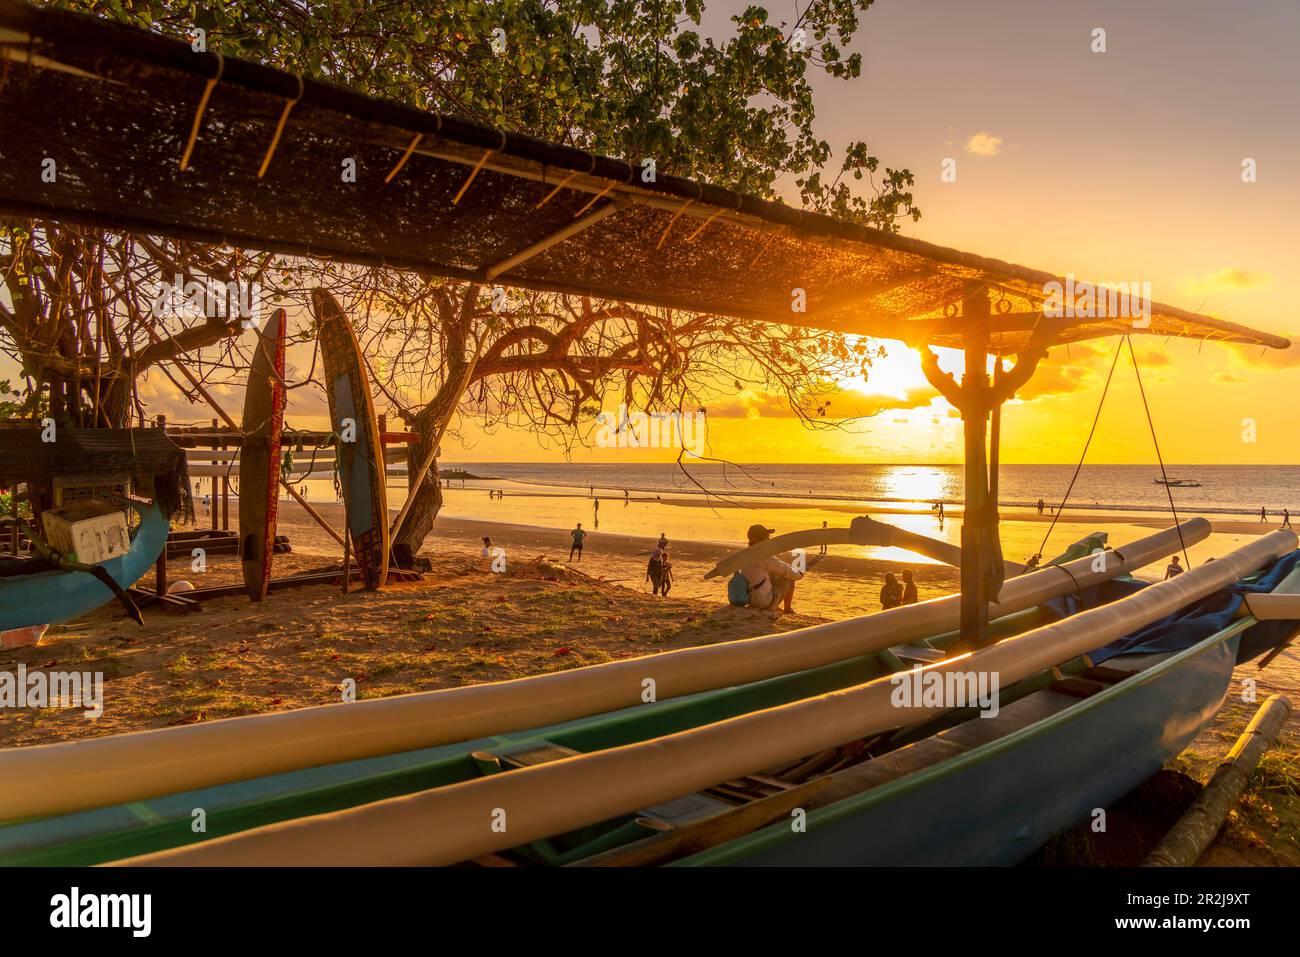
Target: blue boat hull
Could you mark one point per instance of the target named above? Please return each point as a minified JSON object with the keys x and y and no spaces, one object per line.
{"x":998,"y":803}
{"x":56,"y":596}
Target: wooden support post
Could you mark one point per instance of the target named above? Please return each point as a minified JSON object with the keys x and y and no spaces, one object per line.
{"x":214,"y":486}
{"x":975,"y":531}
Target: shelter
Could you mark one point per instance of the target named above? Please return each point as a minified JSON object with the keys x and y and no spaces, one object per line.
{"x":149,"y":136}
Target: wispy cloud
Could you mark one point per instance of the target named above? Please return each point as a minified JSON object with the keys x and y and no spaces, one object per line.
{"x":984,"y":143}
{"x":1227,"y":279}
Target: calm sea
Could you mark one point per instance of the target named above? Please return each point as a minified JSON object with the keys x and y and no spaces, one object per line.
{"x":1224,"y":489}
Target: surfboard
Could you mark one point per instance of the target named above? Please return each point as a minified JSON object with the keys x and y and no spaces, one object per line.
{"x":352,"y":415}
{"x":259,"y":456}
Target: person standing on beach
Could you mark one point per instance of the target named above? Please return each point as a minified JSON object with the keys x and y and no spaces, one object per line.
{"x":1040,"y":506}
{"x":657,"y":570}
{"x":1174,"y":569}
{"x":663,"y":540}
{"x":823,"y":548}
{"x":891,"y":593}
{"x":909,"y":588}
{"x":771,"y":581}
{"x":577,"y":535}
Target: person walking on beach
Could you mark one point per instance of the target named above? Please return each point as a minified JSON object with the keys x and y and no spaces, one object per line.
{"x":1263,"y":515}
{"x":663,"y":540}
{"x":1286,"y":518}
{"x":657,"y":570}
{"x":771,"y":581}
{"x":823,"y":548}
{"x":909,"y":588}
{"x":577,"y":535}
{"x":1174,"y":569}
{"x":1041,"y":505}
{"x":891,"y":594}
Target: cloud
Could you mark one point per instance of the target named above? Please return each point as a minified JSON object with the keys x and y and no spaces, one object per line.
{"x":1261,"y":357}
{"x":1227,"y":279}
{"x":984,"y":144}
{"x":1065,"y":370}
{"x":842,"y":404}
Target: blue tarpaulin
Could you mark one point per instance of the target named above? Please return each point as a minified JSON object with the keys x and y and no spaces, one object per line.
{"x":1190,"y":625}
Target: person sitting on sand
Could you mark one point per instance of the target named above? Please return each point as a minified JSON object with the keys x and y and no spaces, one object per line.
{"x":578,"y":535}
{"x":891,"y":594}
{"x":487,"y":547}
{"x":771,"y":581}
{"x":909,"y":588}
{"x":1034,"y":559}
{"x":1174,"y":569}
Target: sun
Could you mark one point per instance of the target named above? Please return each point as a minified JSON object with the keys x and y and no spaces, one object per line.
{"x":895,"y":374}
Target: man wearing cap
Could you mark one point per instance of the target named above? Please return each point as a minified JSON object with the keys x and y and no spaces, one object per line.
{"x":771,"y":581}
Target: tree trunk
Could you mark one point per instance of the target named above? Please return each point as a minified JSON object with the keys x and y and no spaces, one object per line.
{"x":428,"y":497}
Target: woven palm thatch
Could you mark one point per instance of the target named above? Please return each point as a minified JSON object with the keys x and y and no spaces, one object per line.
{"x":115,"y":108}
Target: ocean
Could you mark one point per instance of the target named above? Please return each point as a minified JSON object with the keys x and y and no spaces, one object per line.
{"x":1224,"y":489}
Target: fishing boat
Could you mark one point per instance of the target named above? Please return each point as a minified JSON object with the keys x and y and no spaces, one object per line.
{"x":87,"y":465}
{"x":1178,"y":483}
{"x":822,"y":745}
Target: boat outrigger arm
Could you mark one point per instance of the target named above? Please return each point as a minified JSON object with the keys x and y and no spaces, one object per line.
{"x":863,"y":530}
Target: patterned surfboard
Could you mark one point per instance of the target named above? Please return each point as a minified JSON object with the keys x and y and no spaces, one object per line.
{"x":361,"y":459}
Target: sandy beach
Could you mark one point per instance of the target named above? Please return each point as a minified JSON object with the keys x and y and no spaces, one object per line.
{"x":465,"y":624}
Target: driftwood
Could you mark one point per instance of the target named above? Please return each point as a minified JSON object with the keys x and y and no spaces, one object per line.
{"x":1192,"y":834}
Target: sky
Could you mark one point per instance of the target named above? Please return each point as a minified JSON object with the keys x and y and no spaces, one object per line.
{"x":1122,"y":165}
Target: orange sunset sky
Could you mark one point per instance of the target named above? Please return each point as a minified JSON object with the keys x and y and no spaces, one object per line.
{"x":1123,"y":165}
{"x":1117,"y":166}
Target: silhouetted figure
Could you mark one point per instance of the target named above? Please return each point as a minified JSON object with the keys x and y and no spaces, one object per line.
{"x":891,"y":595}
{"x":1286,"y":518}
{"x":1041,"y":506}
{"x":1174,"y":569}
{"x":578,"y":535}
{"x":823,"y":548}
{"x":909,"y":588}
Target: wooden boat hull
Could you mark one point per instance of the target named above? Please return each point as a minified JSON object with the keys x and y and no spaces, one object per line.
{"x":50,"y":597}
{"x":998,"y":803}
{"x":259,"y":456}
{"x":361,"y":470}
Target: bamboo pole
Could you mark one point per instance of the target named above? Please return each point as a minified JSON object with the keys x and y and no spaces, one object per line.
{"x":56,"y":779}
{"x":446,"y":825}
{"x":1193,"y":832}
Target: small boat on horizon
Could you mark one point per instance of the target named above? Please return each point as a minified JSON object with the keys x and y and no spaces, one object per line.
{"x":1178,"y":483}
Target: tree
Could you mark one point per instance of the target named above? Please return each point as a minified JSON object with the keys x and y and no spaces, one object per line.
{"x":624,"y":77}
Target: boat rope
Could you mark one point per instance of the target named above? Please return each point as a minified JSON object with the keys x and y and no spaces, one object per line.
{"x":1156,"y":442}
{"x":1091,"y":432}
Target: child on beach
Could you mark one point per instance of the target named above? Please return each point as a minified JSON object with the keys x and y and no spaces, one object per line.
{"x":1174,"y":569}
{"x":578,"y":535}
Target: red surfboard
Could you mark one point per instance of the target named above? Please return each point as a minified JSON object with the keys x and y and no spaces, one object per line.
{"x":259,"y":457}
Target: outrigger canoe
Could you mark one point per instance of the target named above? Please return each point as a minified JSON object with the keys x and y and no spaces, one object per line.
{"x":956,"y":789}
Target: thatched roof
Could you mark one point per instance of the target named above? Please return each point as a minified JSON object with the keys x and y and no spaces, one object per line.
{"x":114,"y":107}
